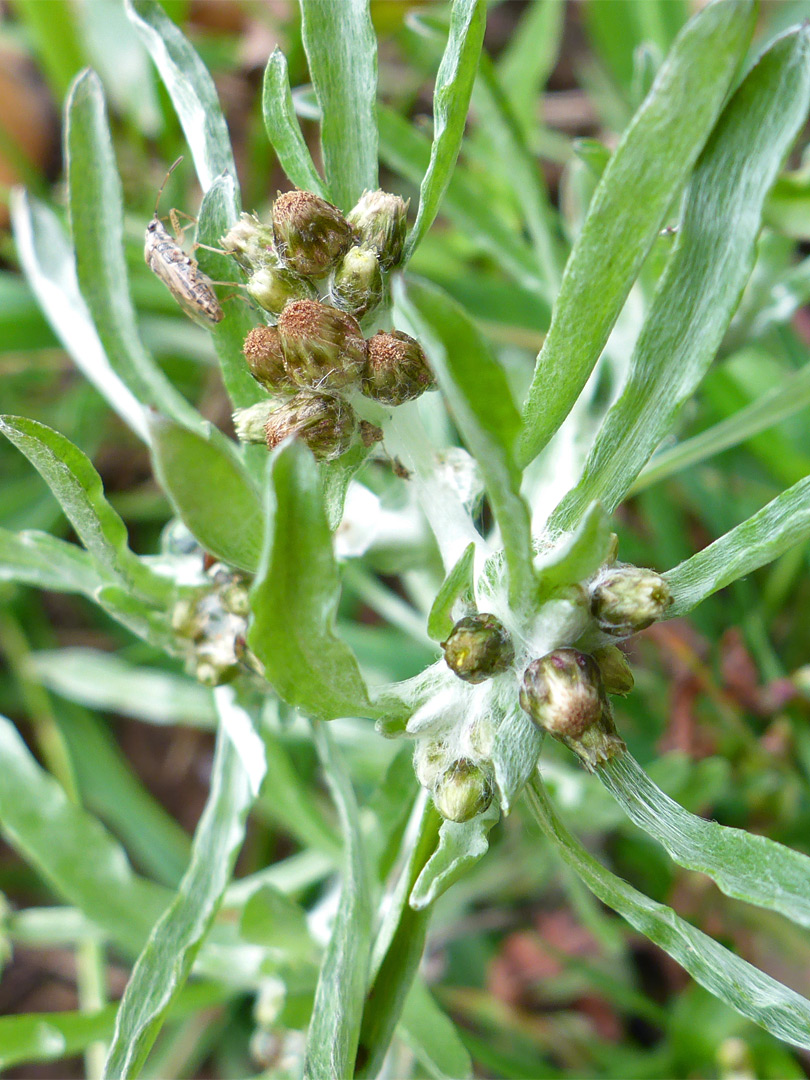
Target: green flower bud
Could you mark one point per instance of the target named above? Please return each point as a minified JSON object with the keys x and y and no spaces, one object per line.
{"x":616,"y":673}
{"x":430,"y":760}
{"x":186,"y":620}
{"x":397,"y":369}
{"x":563,"y":694}
{"x":478,"y":648}
{"x":325,"y":422}
{"x":236,"y":599}
{"x":310,"y":233}
{"x":629,"y":598}
{"x":212,"y":674}
{"x":265,"y":358}
{"x":380,"y":220}
{"x":272,"y":287}
{"x":463,"y":791}
{"x":250,"y":243}
{"x":357,"y":284}
{"x":324,"y":348}
{"x":250,"y":424}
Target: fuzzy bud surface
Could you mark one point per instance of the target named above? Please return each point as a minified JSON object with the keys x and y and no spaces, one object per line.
{"x":326,"y":423}
{"x":323,"y":348}
{"x":310,"y":233}
{"x":462,"y":791}
{"x":626,"y":599}
{"x":397,"y":369}
{"x":478,"y":647}
{"x":380,"y":220}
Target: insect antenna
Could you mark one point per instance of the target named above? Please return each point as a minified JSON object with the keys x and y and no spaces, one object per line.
{"x":171,"y":169}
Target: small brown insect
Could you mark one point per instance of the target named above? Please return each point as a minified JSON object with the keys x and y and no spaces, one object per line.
{"x":192,"y":289}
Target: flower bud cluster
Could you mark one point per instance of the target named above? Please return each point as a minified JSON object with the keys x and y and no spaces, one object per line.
{"x":461,"y":787}
{"x":212,"y":625}
{"x":317,"y":273}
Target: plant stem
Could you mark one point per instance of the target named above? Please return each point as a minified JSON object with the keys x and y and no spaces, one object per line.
{"x":396,"y":972}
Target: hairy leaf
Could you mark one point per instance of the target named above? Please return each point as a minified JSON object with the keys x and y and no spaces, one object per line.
{"x":36,"y":558}
{"x":458,"y":583}
{"x":643,"y":176}
{"x":451,"y":99}
{"x":70,"y":475}
{"x":341,"y":49}
{"x":96,"y":221}
{"x":283,"y":129}
{"x":739,"y":984}
{"x":190,"y":88}
{"x":295,"y":597}
{"x":166,"y":960}
{"x":744,"y":865}
{"x":705,"y":278}
{"x":785,"y":521}
{"x":211,"y":493}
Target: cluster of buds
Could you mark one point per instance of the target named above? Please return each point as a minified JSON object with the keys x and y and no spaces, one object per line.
{"x":213,"y":625}
{"x":317,"y":273}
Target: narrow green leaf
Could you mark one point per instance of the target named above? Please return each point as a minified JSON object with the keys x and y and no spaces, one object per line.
{"x":529,"y":57}
{"x":219,"y":210}
{"x":460,"y":847}
{"x":739,"y":984}
{"x":341,"y":48}
{"x":71,"y":849}
{"x":334,"y":1029}
{"x":190,"y":88}
{"x":451,"y":100}
{"x":458,"y":583}
{"x":579,"y":553}
{"x":785,"y":521}
{"x":478,"y":395}
{"x":70,"y":475}
{"x":643,"y":176}
{"x":55,"y":39}
{"x":272,"y":919}
{"x":516,"y":745}
{"x":96,"y":221}
{"x":104,"y":681}
{"x":39,"y":559}
{"x":433,"y":1037}
{"x":283,"y":129}
{"x":406,"y":151}
{"x":744,"y":865}
{"x":47,"y":261}
{"x":706,"y":275}
{"x":166,"y":960}
{"x":210,"y":491}
{"x":780,"y":403}
{"x":149,"y":623}
{"x":295,"y":597}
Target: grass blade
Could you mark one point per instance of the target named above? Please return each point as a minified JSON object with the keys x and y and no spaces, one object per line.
{"x":778,"y":404}
{"x":643,"y":176}
{"x":71,"y":849}
{"x":190,"y":88}
{"x":744,"y":865}
{"x":189,"y":469}
{"x":70,"y":475}
{"x":705,"y":278}
{"x":283,"y":129}
{"x":47,"y":261}
{"x":166,"y":960}
{"x":295,"y":597}
{"x":478,"y":394}
{"x":529,"y":58}
{"x":785,"y":521}
{"x":407,"y":152}
{"x":451,"y":100}
{"x":334,"y":1029}
{"x":739,"y":984}
{"x":96,"y":221}
{"x":341,"y":48}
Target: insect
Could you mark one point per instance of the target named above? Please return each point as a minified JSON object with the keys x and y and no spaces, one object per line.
{"x":192,"y":289}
